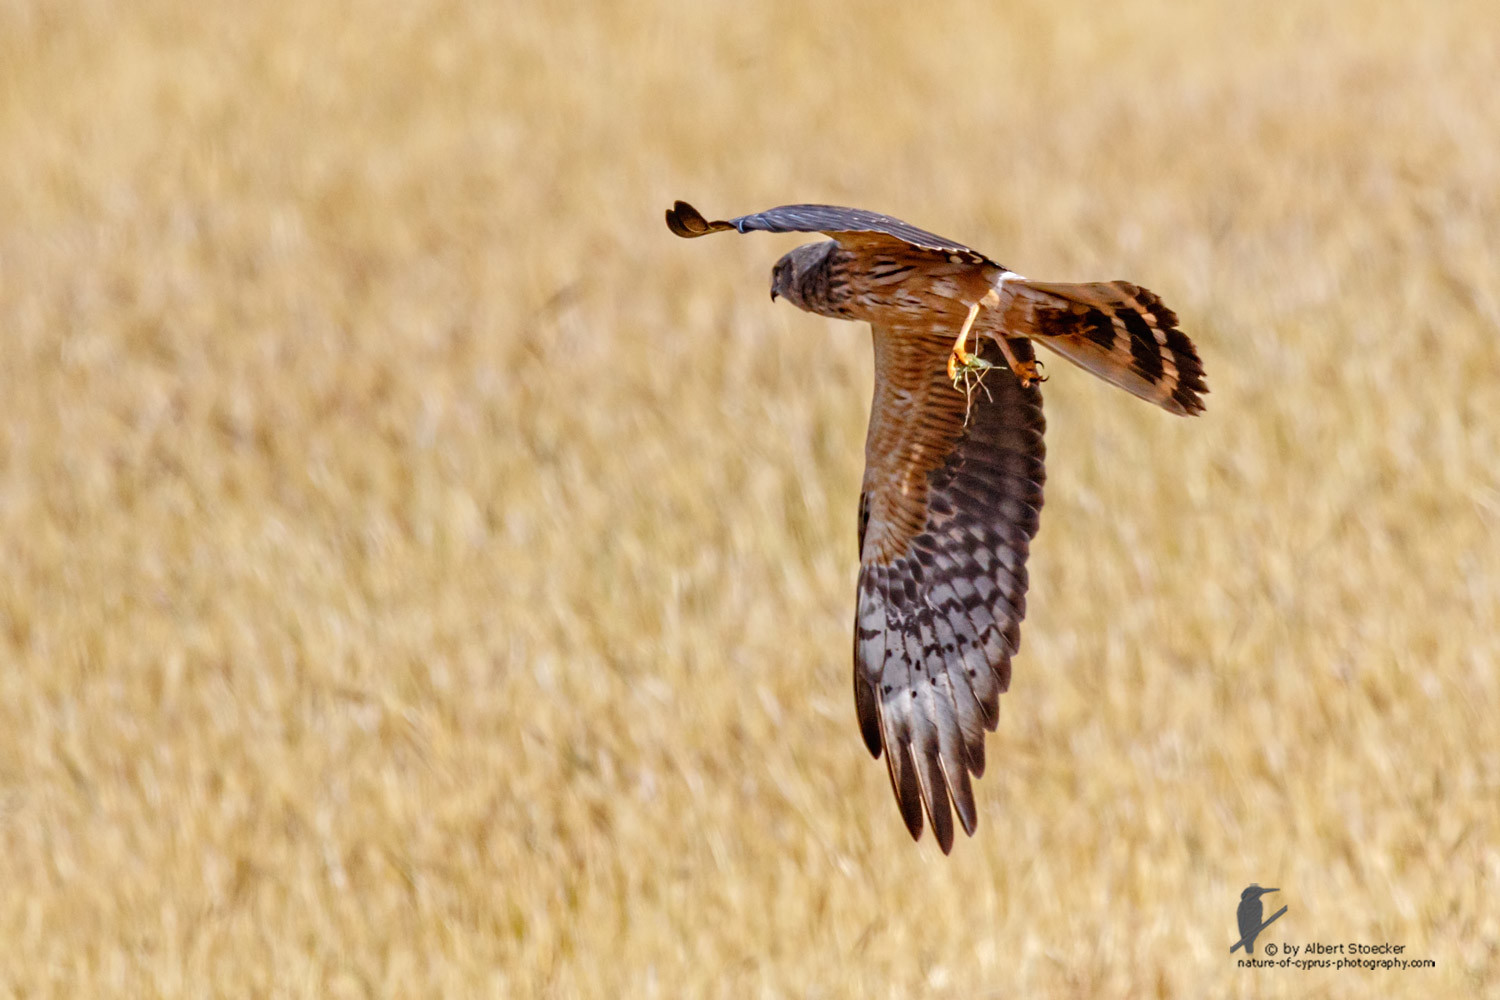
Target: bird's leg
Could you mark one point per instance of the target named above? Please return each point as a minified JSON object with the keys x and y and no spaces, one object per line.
{"x":960,"y":358}
{"x":1027,"y":371}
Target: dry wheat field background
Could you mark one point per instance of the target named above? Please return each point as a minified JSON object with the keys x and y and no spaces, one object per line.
{"x":424,"y":575}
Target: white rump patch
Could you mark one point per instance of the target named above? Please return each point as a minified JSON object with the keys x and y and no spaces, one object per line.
{"x":995,"y":298}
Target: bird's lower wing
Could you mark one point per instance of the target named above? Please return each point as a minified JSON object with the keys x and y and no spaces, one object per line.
{"x":952,"y":491}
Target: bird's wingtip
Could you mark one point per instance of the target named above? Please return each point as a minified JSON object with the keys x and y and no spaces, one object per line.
{"x":686,"y":221}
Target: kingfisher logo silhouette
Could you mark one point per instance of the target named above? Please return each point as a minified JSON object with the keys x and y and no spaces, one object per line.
{"x":1249,"y":917}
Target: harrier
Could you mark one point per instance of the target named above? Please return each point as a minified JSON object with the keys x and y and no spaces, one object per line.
{"x":953,"y":469}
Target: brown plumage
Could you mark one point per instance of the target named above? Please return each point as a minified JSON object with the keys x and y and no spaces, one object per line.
{"x":953,"y":480}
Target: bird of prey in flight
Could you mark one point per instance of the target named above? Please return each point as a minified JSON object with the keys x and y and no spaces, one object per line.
{"x":953,"y":471}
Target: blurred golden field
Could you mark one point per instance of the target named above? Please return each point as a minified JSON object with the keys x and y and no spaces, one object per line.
{"x":424,"y":575}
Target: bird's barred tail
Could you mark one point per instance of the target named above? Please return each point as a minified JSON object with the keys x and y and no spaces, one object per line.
{"x":1120,"y":332}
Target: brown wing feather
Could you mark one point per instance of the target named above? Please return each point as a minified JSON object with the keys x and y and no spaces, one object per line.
{"x":852,"y":227}
{"x":947,"y":517}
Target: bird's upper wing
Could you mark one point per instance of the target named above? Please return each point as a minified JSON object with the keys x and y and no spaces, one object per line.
{"x":947,"y":514}
{"x":853,"y":227}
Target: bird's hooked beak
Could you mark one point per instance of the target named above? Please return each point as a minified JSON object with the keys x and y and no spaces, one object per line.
{"x":774,"y":296}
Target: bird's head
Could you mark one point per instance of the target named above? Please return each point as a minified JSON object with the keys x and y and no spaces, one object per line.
{"x":790,"y":271}
{"x":1255,"y":892}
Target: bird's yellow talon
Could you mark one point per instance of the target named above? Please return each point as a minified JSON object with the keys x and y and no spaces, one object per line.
{"x":1027,"y":371}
